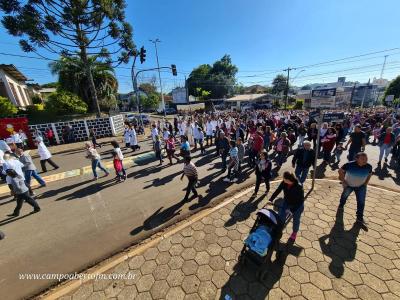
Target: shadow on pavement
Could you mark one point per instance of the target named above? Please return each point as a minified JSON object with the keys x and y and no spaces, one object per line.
{"x":52,"y":193}
{"x":13,"y":219}
{"x":244,"y":279}
{"x":243,"y":210}
{"x":161,"y":181}
{"x":89,"y":190}
{"x":159,"y":217}
{"x":340,"y":245}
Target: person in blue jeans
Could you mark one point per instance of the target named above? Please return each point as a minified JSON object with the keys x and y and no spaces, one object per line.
{"x":293,"y":200}
{"x":29,"y":169}
{"x":92,"y":154}
{"x":355,"y":176}
{"x":302,"y":160}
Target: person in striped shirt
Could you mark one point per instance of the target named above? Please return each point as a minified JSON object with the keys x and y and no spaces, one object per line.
{"x":190,"y":171}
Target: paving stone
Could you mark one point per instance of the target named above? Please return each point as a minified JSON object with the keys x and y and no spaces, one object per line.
{"x":202,"y":258}
{"x":175,"y":293}
{"x":161,"y":272}
{"x":83,"y":292}
{"x":176,"y":238}
{"x":136,"y":262}
{"x":175,"y":278}
{"x":198,"y":226}
{"x":220,"y":278}
{"x":333,"y":295}
{"x":159,"y":289}
{"x":366,"y":293}
{"x":374,"y":282}
{"x":151,"y":253}
{"x":143,"y":296}
{"x":129,"y":292}
{"x":199,"y":235}
{"x":114,"y":289}
{"x":148,"y":267}
{"x":214,"y":249}
{"x":189,"y":267}
{"x":344,"y":288}
{"x":200,"y":245}
{"x":176,"y":249}
{"x":277,"y":293}
{"x":382,"y":261}
{"x":290,"y":286}
{"x":207,"y":290}
{"x":311,"y":292}
{"x":204,"y":273}
{"x":217,"y":263}
{"x":378,"y":271}
{"x":394,"y":286}
{"x":188,"y":242}
{"x":190,"y":284}
{"x":238,"y":285}
{"x":299,"y":274}
{"x":228,"y":253}
{"x":176,"y":262}
{"x":144,"y":283}
{"x":307,"y":264}
{"x":163,"y":258}
{"x":211,"y":238}
{"x":164,"y":245}
{"x":187,"y":232}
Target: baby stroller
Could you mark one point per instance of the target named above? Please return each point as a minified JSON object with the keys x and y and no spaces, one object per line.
{"x":267,"y":223}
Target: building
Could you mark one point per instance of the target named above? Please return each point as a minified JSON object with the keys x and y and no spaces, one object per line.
{"x":46,"y":92}
{"x":240,"y":101}
{"x":127,"y":101}
{"x":364,"y":95}
{"x":13,"y":86}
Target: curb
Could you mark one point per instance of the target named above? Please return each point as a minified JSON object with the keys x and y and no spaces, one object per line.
{"x":128,"y":162}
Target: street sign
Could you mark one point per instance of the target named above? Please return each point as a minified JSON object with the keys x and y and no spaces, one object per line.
{"x":329,"y":117}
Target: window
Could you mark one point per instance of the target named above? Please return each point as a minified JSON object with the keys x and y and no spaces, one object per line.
{"x":17,"y":101}
{"x":24,"y":102}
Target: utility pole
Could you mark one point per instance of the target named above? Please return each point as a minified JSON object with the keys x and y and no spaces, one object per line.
{"x":287,"y":86}
{"x":384,"y":65}
{"x":352,"y":94}
{"x":365,"y":93}
{"x":159,"y":74}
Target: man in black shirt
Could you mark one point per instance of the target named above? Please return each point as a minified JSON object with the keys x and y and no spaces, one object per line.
{"x":303,"y":159}
{"x":357,"y":142}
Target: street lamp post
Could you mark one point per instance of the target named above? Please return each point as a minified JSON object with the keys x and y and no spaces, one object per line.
{"x":159,"y":74}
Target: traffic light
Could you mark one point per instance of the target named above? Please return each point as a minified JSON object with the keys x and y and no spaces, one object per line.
{"x":173,"y":68}
{"x":142,"y":55}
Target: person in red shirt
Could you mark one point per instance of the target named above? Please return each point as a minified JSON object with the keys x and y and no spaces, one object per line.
{"x":256,"y":146}
{"x":328,"y":143}
{"x":386,"y":142}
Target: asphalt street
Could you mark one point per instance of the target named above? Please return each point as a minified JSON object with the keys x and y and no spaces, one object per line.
{"x":83,"y":221}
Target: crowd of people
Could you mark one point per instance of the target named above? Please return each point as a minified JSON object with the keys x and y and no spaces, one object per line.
{"x":258,"y":139}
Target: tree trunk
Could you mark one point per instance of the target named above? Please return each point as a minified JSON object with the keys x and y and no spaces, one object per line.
{"x":92,"y":87}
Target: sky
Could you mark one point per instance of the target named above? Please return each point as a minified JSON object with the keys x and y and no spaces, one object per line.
{"x":263,"y":37}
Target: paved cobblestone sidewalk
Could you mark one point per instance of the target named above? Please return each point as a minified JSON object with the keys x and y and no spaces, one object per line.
{"x":331,"y":259}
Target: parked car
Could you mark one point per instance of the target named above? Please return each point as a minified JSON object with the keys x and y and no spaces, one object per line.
{"x":168,"y":111}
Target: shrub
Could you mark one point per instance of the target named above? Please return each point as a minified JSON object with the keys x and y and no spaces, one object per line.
{"x":7,"y":108}
{"x":65,"y":103}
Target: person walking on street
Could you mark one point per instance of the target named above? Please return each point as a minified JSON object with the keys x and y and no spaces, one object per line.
{"x":157,"y":149}
{"x":263,"y":172}
{"x":94,"y":139}
{"x":357,"y":142}
{"x":95,"y":157}
{"x":386,"y":141}
{"x":241,"y":153}
{"x":282,"y":145}
{"x":120,"y":176}
{"x":133,"y":140}
{"x":223,"y":146}
{"x":45,"y":155}
{"x":29,"y":169}
{"x":185,"y":146}
{"x":302,"y":160}
{"x":328,"y":143}
{"x":293,"y":200}
{"x":355,"y":176}
{"x":170,"y":143}
{"x":233,"y":163}
{"x":190,"y":171}
{"x":22,"y":193}
{"x":120,"y":157}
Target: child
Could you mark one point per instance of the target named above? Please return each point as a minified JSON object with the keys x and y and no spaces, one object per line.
{"x":338,"y":151}
{"x":94,"y":139}
{"x":201,"y":140}
{"x":157,"y":149}
{"x":118,"y":167}
{"x":241,"y":152}
{"x":120,"y":157}
{"x":22,"y":193}
{"x":233,"y":163}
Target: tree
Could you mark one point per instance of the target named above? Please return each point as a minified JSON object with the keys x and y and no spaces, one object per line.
{"x":219,"y":78}
{"x":202,"y":94}
{"x":49,"y":85}
{"x":151,"y":101}
{"x":279,"y":84}
{"x":65,"y":103}
{"x":6,"y":107}
{"x":393,"y":88}
{"x":148,"y":88}
{"x":75,"y":27}
{"x":72,"y":77}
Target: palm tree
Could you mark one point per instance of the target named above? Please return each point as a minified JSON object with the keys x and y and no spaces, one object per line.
{"x":72,"y":77}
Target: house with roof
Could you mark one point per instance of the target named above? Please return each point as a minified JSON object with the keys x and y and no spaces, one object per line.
{"x":13,"y":86}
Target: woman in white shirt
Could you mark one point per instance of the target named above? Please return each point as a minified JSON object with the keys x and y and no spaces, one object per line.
{"x":133,"y":139}
{"x":45,"y":155}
